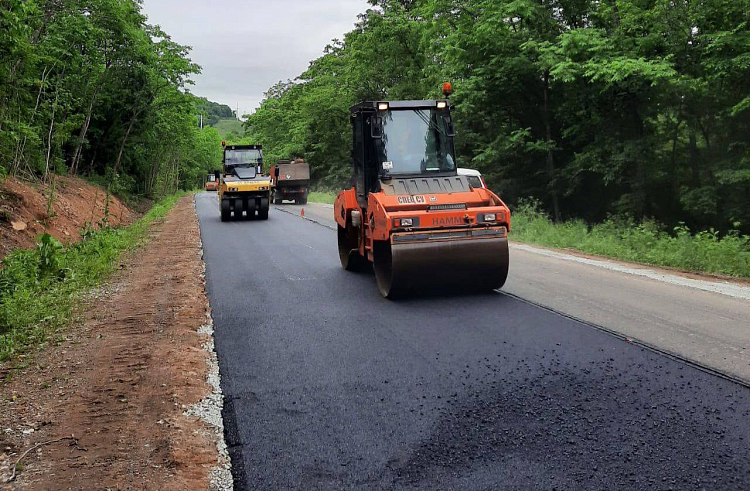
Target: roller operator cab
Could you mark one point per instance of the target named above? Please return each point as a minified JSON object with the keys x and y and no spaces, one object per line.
{"x":243,"y":189}
{"x":421,"y":225}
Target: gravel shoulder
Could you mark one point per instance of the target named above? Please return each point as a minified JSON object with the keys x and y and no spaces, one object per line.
{"x":126,"y":397}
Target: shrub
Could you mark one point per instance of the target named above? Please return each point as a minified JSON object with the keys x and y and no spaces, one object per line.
{"x":646,"y":242}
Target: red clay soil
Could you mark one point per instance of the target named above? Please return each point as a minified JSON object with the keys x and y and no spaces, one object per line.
{"x":23,"y":211}
{"x":119,"y":383}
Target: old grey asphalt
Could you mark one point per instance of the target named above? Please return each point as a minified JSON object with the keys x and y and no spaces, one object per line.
{"x":329,"y":386}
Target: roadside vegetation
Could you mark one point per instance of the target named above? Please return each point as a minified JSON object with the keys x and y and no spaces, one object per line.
{"x":41,"y":289}
{"x":645,"y":242}
{"x":89,"y":88}
{"x":327,"y":197}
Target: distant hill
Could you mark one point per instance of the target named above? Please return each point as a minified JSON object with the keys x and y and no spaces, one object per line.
{"x":213,"y":112}
{"x":219,"y":116}
{"x":229,"y":125}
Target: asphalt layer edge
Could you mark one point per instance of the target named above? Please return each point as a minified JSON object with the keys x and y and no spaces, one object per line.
{"x":611,"y":332}
{"x":211,"y":408}
{"x":636,"y":342}
{"x":304,"y":217}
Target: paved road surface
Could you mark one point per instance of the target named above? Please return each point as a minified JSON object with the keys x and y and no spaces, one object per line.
{"x":711,"y":329}
{"x":329,"y":386}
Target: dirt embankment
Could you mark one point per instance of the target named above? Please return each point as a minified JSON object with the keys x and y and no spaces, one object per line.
{"x":24,"y":206}
{"x":119,"y":388}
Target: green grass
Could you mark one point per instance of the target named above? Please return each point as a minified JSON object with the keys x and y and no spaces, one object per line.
{"x":646,"y":242}
{"x":40,"y":289}
{"x":322,"y":197}
{"x":227,"y":126}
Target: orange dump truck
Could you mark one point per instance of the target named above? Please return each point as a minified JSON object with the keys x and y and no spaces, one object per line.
{"x":211,"y":184}
{"x":290,"y":180}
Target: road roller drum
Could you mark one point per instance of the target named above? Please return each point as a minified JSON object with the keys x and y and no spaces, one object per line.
{"x":422,"y":226}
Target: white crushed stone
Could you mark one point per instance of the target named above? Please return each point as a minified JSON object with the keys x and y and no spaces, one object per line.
{"x":103,"y":292}
{"x":209,"y":408}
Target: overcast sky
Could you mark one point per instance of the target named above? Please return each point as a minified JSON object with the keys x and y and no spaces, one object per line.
{"x":246,"y":46}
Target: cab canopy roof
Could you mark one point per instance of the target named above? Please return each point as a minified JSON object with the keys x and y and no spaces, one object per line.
{"x":373,"y":105}
{"x":463,"y":171}
{"x":243,"y":147}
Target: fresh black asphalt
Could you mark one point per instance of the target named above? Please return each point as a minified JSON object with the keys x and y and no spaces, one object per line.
{"x":329,"y":386}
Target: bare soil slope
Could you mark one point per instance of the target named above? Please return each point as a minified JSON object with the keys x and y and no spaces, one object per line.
{"x":23,"y":211}
{"x":119,"y":385}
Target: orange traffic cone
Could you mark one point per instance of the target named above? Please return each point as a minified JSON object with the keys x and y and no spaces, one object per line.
{"x":302,"y":213}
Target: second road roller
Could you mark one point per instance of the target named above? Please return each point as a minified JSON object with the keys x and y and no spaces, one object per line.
{"x":421,"y":225}
{"x":243,"y":189}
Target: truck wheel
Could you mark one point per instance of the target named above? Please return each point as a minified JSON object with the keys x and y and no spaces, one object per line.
{"x":263,"y":210}
{"x":251,"y":205}
{"x":348,"y":251}
{"x":226,"y":212}
{"x":278,"y":198}
{"x":238,"y":209}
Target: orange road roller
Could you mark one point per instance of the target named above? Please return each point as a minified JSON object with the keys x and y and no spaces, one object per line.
{"x":421,"y":225}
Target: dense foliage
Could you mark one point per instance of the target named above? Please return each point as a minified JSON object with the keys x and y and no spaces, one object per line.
{"x":634,"y":108}
{"x":88,"y":87}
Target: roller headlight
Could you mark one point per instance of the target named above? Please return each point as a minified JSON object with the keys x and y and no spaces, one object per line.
{"x":406,"y":222}
{"x":490,"y":217}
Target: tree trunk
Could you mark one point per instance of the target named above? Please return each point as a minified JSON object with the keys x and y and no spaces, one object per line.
{"x":638,"y":183}
{"x":550,"y":156}
{"x":177,"y":173}
{"x":151,"y":183}
{"x":85,"y":128}
{"x":122,"y":147}
{"x":695,"y":157}
{"x":21,"y":146}
{"x":51,"y":131}
{"x":82,"y":136}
